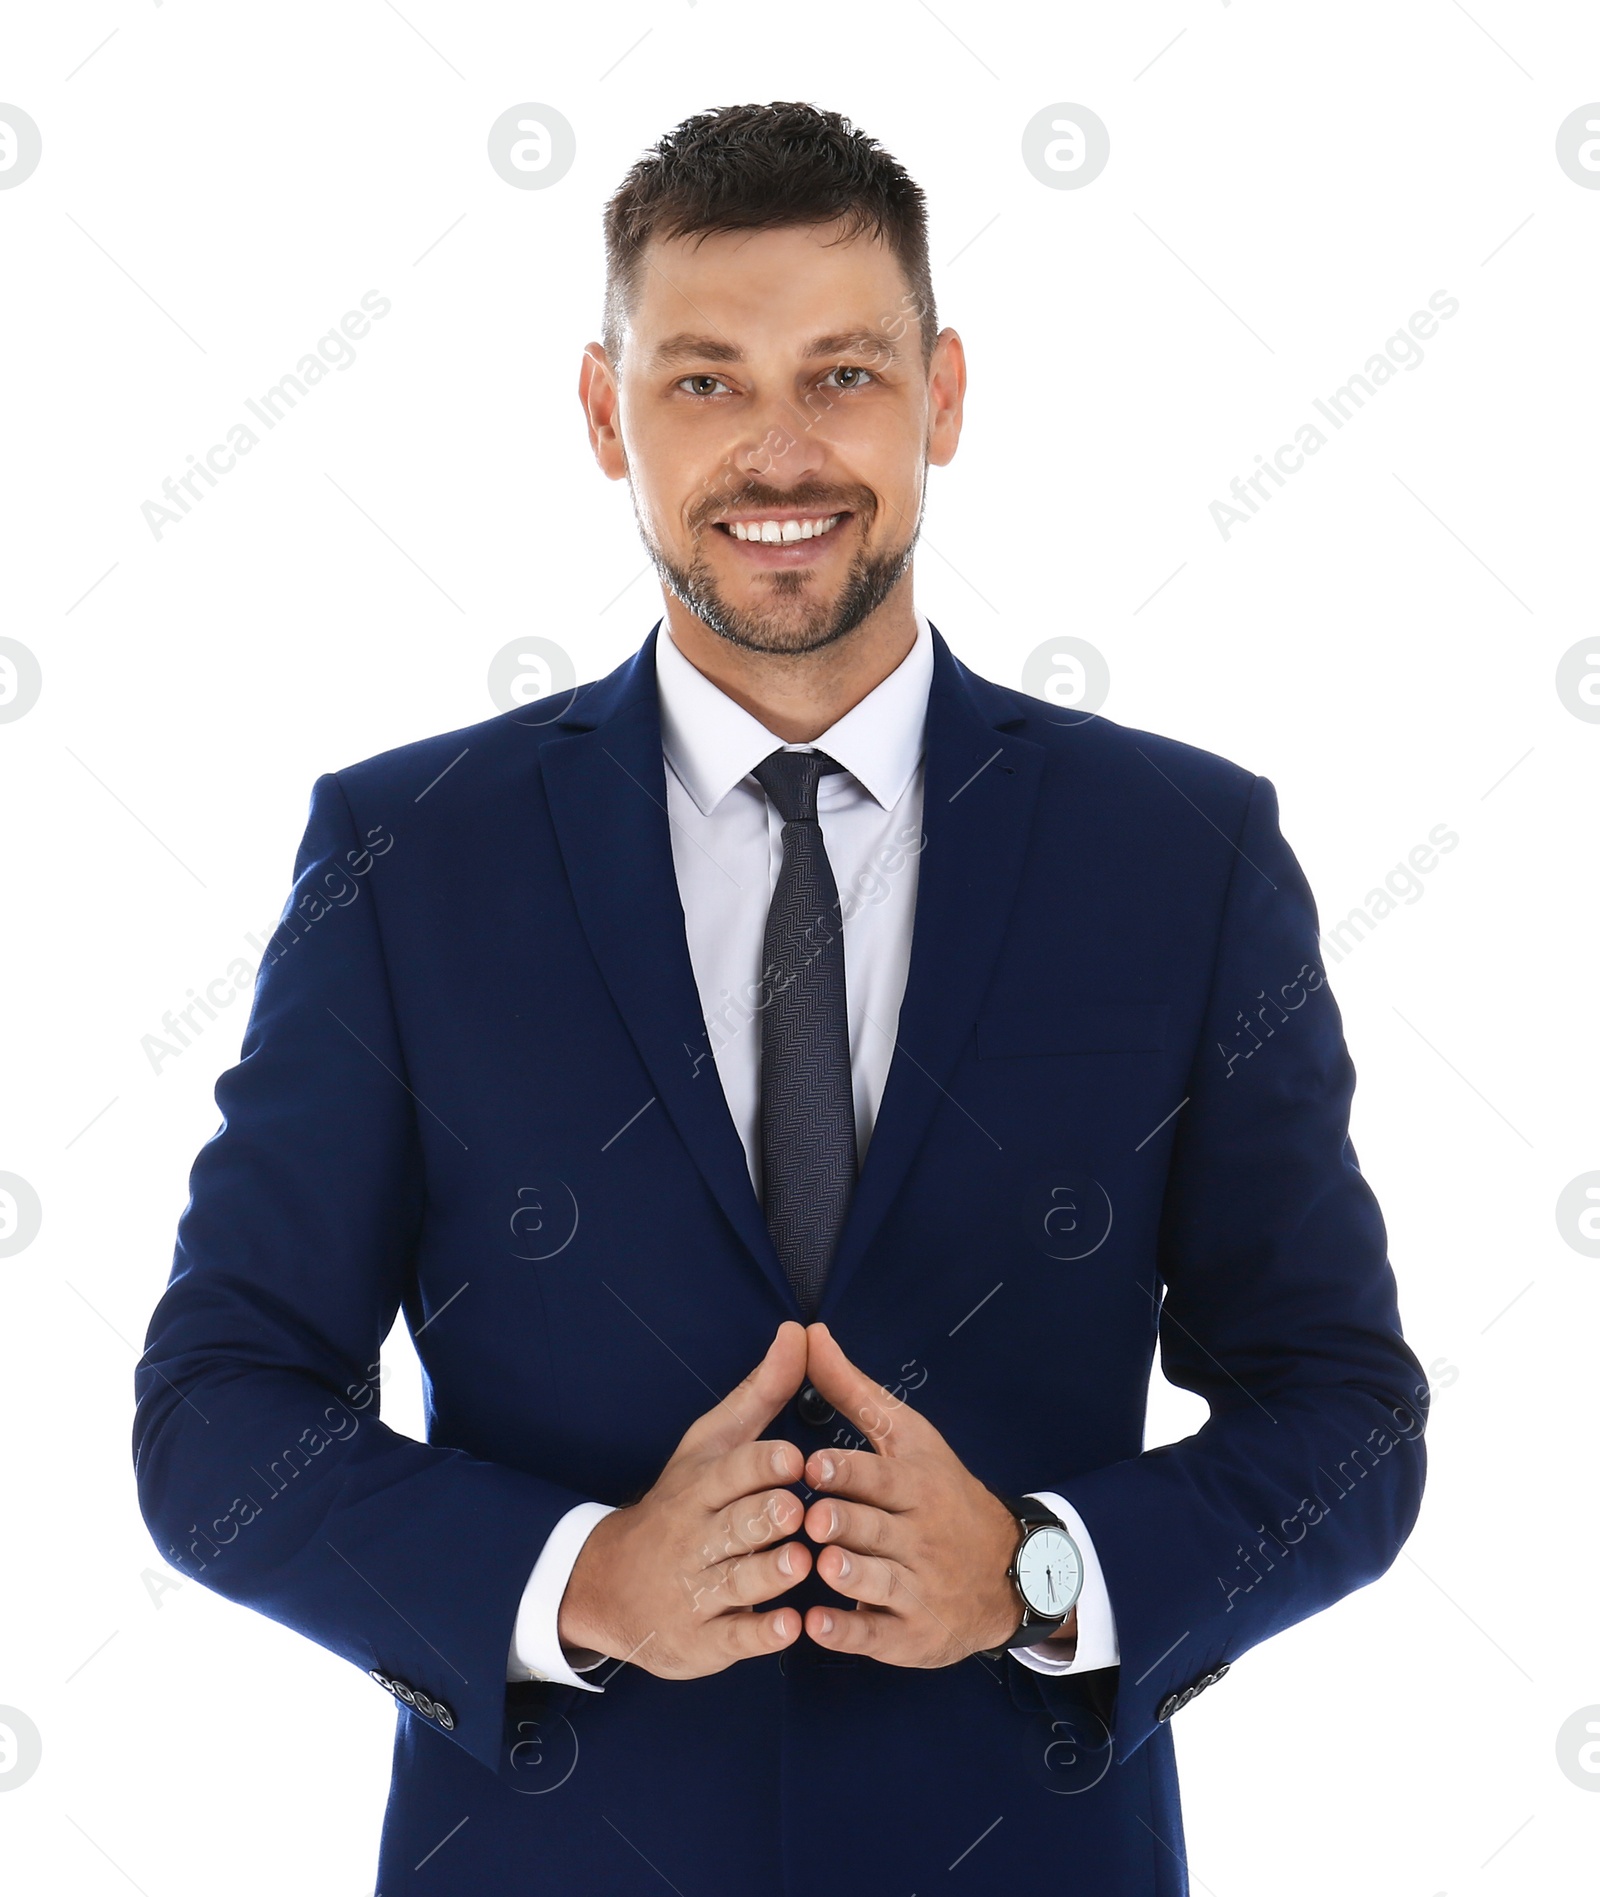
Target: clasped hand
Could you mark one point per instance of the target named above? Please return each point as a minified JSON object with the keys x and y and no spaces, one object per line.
{"x":675,"y":1582}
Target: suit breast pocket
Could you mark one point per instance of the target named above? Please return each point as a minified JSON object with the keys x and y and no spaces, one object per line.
{"x":1077,"y":1026}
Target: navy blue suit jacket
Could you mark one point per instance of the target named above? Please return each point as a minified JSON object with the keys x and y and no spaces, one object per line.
{"x":476,"y":1087}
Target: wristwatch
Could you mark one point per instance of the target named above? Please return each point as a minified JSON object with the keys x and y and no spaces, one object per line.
{"x":1047,"y":1572}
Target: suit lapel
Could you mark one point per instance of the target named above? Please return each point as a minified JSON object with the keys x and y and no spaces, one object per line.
{"x":605,"y":780}
{"x":980,"y":786}
{"x":607,"y":790}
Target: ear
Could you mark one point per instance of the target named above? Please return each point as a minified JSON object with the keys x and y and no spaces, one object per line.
{"x":599,"y":395}
{"x":947,"y":385}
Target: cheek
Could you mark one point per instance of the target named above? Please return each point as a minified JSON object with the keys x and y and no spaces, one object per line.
{"x":892,"y":466}
{"x":671,"y":462}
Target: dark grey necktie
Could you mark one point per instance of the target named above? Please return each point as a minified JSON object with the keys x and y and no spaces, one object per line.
{"x":808,"y":1120}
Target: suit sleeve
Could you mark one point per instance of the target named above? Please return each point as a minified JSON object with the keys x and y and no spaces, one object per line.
{"x":263,"y":1467}
{"x":1279,"y":1310}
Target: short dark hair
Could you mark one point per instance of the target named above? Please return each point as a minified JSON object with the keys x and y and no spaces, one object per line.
{"x":763,"y":167}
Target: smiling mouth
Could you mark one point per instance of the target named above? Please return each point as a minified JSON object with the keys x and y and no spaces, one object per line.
{"x":781,"y":533}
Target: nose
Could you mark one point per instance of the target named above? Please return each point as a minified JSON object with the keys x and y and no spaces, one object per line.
{"x":779,"y":449}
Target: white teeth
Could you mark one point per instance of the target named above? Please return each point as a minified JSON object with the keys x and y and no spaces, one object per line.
{"x":780,"y":530}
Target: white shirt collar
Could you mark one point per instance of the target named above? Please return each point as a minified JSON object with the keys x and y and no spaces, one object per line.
{"x":712,"y":742}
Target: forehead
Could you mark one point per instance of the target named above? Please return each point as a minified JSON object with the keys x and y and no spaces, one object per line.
{"x":765,"y":290}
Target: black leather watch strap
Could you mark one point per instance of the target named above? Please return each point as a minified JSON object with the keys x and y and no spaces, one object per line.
{"x":1029,"y":1513}
{"x":1032,"y":1628}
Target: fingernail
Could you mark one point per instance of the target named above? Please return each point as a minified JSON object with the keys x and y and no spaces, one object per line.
{"x":785,"y":1559}
{"x":825,"y":1625}
{"x":780,"y":1458}
{"x":844,"y":1566}
{"x":825,"y":1468}
{"x":833,"y":1521}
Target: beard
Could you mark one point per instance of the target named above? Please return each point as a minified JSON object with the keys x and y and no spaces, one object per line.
{"x":789,"y":623}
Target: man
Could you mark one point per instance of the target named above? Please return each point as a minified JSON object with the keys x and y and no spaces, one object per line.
{"x":795,"y":998}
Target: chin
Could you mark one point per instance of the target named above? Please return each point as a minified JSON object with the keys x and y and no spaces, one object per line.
{"x":755,"y":635}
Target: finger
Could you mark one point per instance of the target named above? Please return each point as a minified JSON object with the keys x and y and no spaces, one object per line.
{"x":867,"y":1578}
{"x":863,"y":1476}
{"x":751,"y":1404}
{"x":749,"y":1469}
{"x":748,"y":1579}
{"x":732,"y":1637}
{"x":871,"y":1630}
{"x":895,"y":1636}
{"x":856,"y":1526}
{"x":752,"y":1523}
{"x":883,"y":1418}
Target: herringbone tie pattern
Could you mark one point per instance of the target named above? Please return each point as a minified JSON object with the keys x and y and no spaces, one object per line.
{"x":808,"y":1120}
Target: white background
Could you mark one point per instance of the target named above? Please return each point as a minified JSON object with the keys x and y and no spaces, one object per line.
{"x":1286,"y":186}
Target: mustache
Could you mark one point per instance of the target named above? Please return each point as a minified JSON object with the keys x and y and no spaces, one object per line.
{"x":752,"y":500}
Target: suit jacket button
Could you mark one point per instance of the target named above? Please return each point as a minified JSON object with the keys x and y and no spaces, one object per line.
{"x":1167,"y":1707}
{"x":813,"y":1406}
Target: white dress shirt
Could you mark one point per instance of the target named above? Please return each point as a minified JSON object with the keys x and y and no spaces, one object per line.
{"x":727,"y":849}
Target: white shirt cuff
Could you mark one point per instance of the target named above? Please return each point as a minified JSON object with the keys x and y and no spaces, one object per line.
{"x":1097,"y":1627}
{"x":535,"y":1640}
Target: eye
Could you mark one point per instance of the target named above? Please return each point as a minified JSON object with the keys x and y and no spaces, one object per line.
{"x":863,"y":376}
{"x":700,"y":378}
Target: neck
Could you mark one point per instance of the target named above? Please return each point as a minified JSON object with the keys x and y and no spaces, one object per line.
{"x":798,"y":696}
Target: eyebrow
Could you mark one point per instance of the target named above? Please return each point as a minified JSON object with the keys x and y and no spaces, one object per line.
{"x":687,"y":347}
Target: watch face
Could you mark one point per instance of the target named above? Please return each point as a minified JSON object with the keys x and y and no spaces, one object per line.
{"x":1049,"y":1571}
